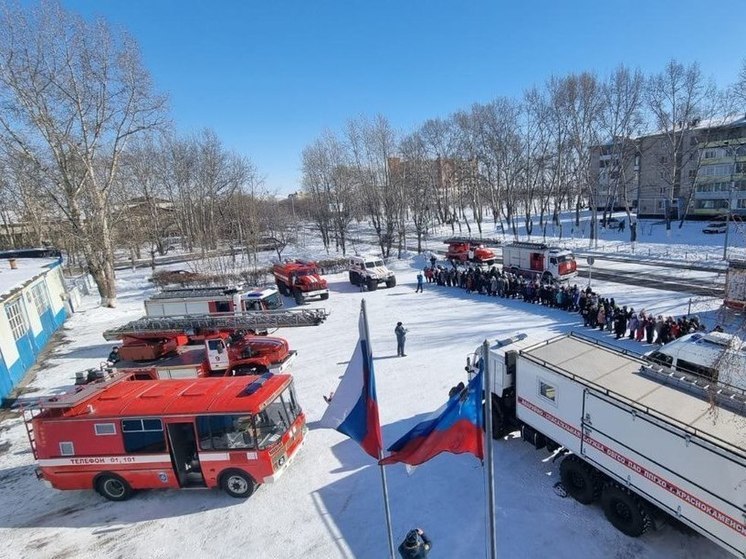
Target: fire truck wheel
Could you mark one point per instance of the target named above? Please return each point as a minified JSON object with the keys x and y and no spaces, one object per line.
{"x":580,"y":480}
{"x":324,"y":296}
{"x":113,"y":487}
{"x":354,"y":278}
{"x":372,"y":284}
{"x":626,"y":511}
{"x":547,"y":277}
{"x":391,"y":282}
{"x":498,"y":420}
{"x":298,"y":296}
{"x":237,"y":484}
{"x":282,"y":288}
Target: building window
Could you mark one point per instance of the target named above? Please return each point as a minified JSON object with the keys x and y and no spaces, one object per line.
{"x":143,"y":435}
{"x":716,"y":170}
{"x":223,"y":432}
{"x":16,"y":318}
{"x":105,"y":429}
{"x":41,"y":299}
{"x":692,"y":173}
{"x":67,"y":449}
{"x":548,"y":391}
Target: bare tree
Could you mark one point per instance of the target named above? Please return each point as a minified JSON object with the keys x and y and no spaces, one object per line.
{"x":416,"y":173}
{"x":676,"y":98}
{"x":371,"y":145}
{"x":577,"y":98}
{"x":440,"y":139}
{"x":74,"y":94}
{"x":142,"y":211}
{"x":331,"y":180}
{"x":739,"y":90}
{"x":621,"y":122}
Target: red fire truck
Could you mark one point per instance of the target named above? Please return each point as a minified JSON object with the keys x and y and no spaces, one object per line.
{"x":465,"y":249}
{"x":300,"y":279}
{"x":218,"y":353}
{"x":123,"y":435}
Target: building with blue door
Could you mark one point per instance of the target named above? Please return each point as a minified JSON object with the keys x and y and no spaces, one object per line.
{"x":32,"y":308}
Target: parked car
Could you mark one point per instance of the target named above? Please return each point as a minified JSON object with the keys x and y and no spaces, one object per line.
{"x":611,"y":222}
{"x":715,"y":228}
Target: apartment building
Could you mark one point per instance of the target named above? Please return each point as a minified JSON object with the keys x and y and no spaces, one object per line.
{"x":707,"y":176}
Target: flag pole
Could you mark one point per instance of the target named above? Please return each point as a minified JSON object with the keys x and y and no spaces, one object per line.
{"x":380,"y":452}
{"x":486,"y":378}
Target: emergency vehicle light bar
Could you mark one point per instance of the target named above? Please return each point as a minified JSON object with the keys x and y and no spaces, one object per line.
{"x":255,"y":385}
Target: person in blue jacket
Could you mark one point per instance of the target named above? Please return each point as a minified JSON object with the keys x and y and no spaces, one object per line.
{"x":416,"y":545}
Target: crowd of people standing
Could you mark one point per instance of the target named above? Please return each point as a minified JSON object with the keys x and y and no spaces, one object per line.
{"x":597,"y":312}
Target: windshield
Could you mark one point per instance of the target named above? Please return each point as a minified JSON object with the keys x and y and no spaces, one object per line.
{"x":374,"y":264}
{"x":276,"y":418}
{"x":307,"y":272}
{"x":270,"y":302}
{"x":566,"y":258}
{"x":273,"y":301}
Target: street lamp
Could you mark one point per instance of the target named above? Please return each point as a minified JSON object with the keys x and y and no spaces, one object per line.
{"x":730,"y":197}
{"x":292,"y":203}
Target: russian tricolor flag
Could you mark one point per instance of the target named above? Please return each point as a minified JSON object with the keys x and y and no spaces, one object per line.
{"x":354,"y":408}
{"x":455,"y":427}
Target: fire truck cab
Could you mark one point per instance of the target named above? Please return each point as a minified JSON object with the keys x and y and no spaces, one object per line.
{"x":123,"y":435}
{"x":537,"y":259}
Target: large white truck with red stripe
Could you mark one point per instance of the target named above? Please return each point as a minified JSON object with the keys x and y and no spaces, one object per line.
{"x":649,"y":442}
{"x":537,"y":260}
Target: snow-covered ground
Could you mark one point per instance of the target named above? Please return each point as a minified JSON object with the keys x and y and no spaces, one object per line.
{"x":329,"y":504}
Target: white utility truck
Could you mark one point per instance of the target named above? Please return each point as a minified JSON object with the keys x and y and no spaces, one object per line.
{"x":636,"y":435}
{"x":539,"y":260}
{"x":370,"y":271}
{"x":212,"y":300}
{"x":716,"y":358}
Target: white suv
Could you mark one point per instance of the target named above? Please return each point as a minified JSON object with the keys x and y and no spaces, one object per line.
{"x":370,"y":271}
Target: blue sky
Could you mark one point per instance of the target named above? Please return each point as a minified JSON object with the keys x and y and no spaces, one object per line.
{"x":270,"y":76}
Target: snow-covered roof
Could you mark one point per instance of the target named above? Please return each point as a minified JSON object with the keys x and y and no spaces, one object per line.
{"x":730,"y":121}
{"x":27,"y":269}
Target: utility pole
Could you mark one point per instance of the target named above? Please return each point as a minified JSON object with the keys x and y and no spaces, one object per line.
{"x":730,"y":199}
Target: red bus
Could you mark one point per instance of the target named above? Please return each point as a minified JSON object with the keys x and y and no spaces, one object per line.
{"x":123,"y":435}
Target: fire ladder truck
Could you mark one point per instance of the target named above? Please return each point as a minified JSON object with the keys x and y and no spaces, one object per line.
{"x":246,"y":321}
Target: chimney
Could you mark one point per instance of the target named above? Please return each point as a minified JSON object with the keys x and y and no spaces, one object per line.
{"x":13,"y":264}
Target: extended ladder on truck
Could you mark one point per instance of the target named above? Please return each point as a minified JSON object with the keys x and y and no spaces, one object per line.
{"x":474,"y":241}
{"x":256,"y":321}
